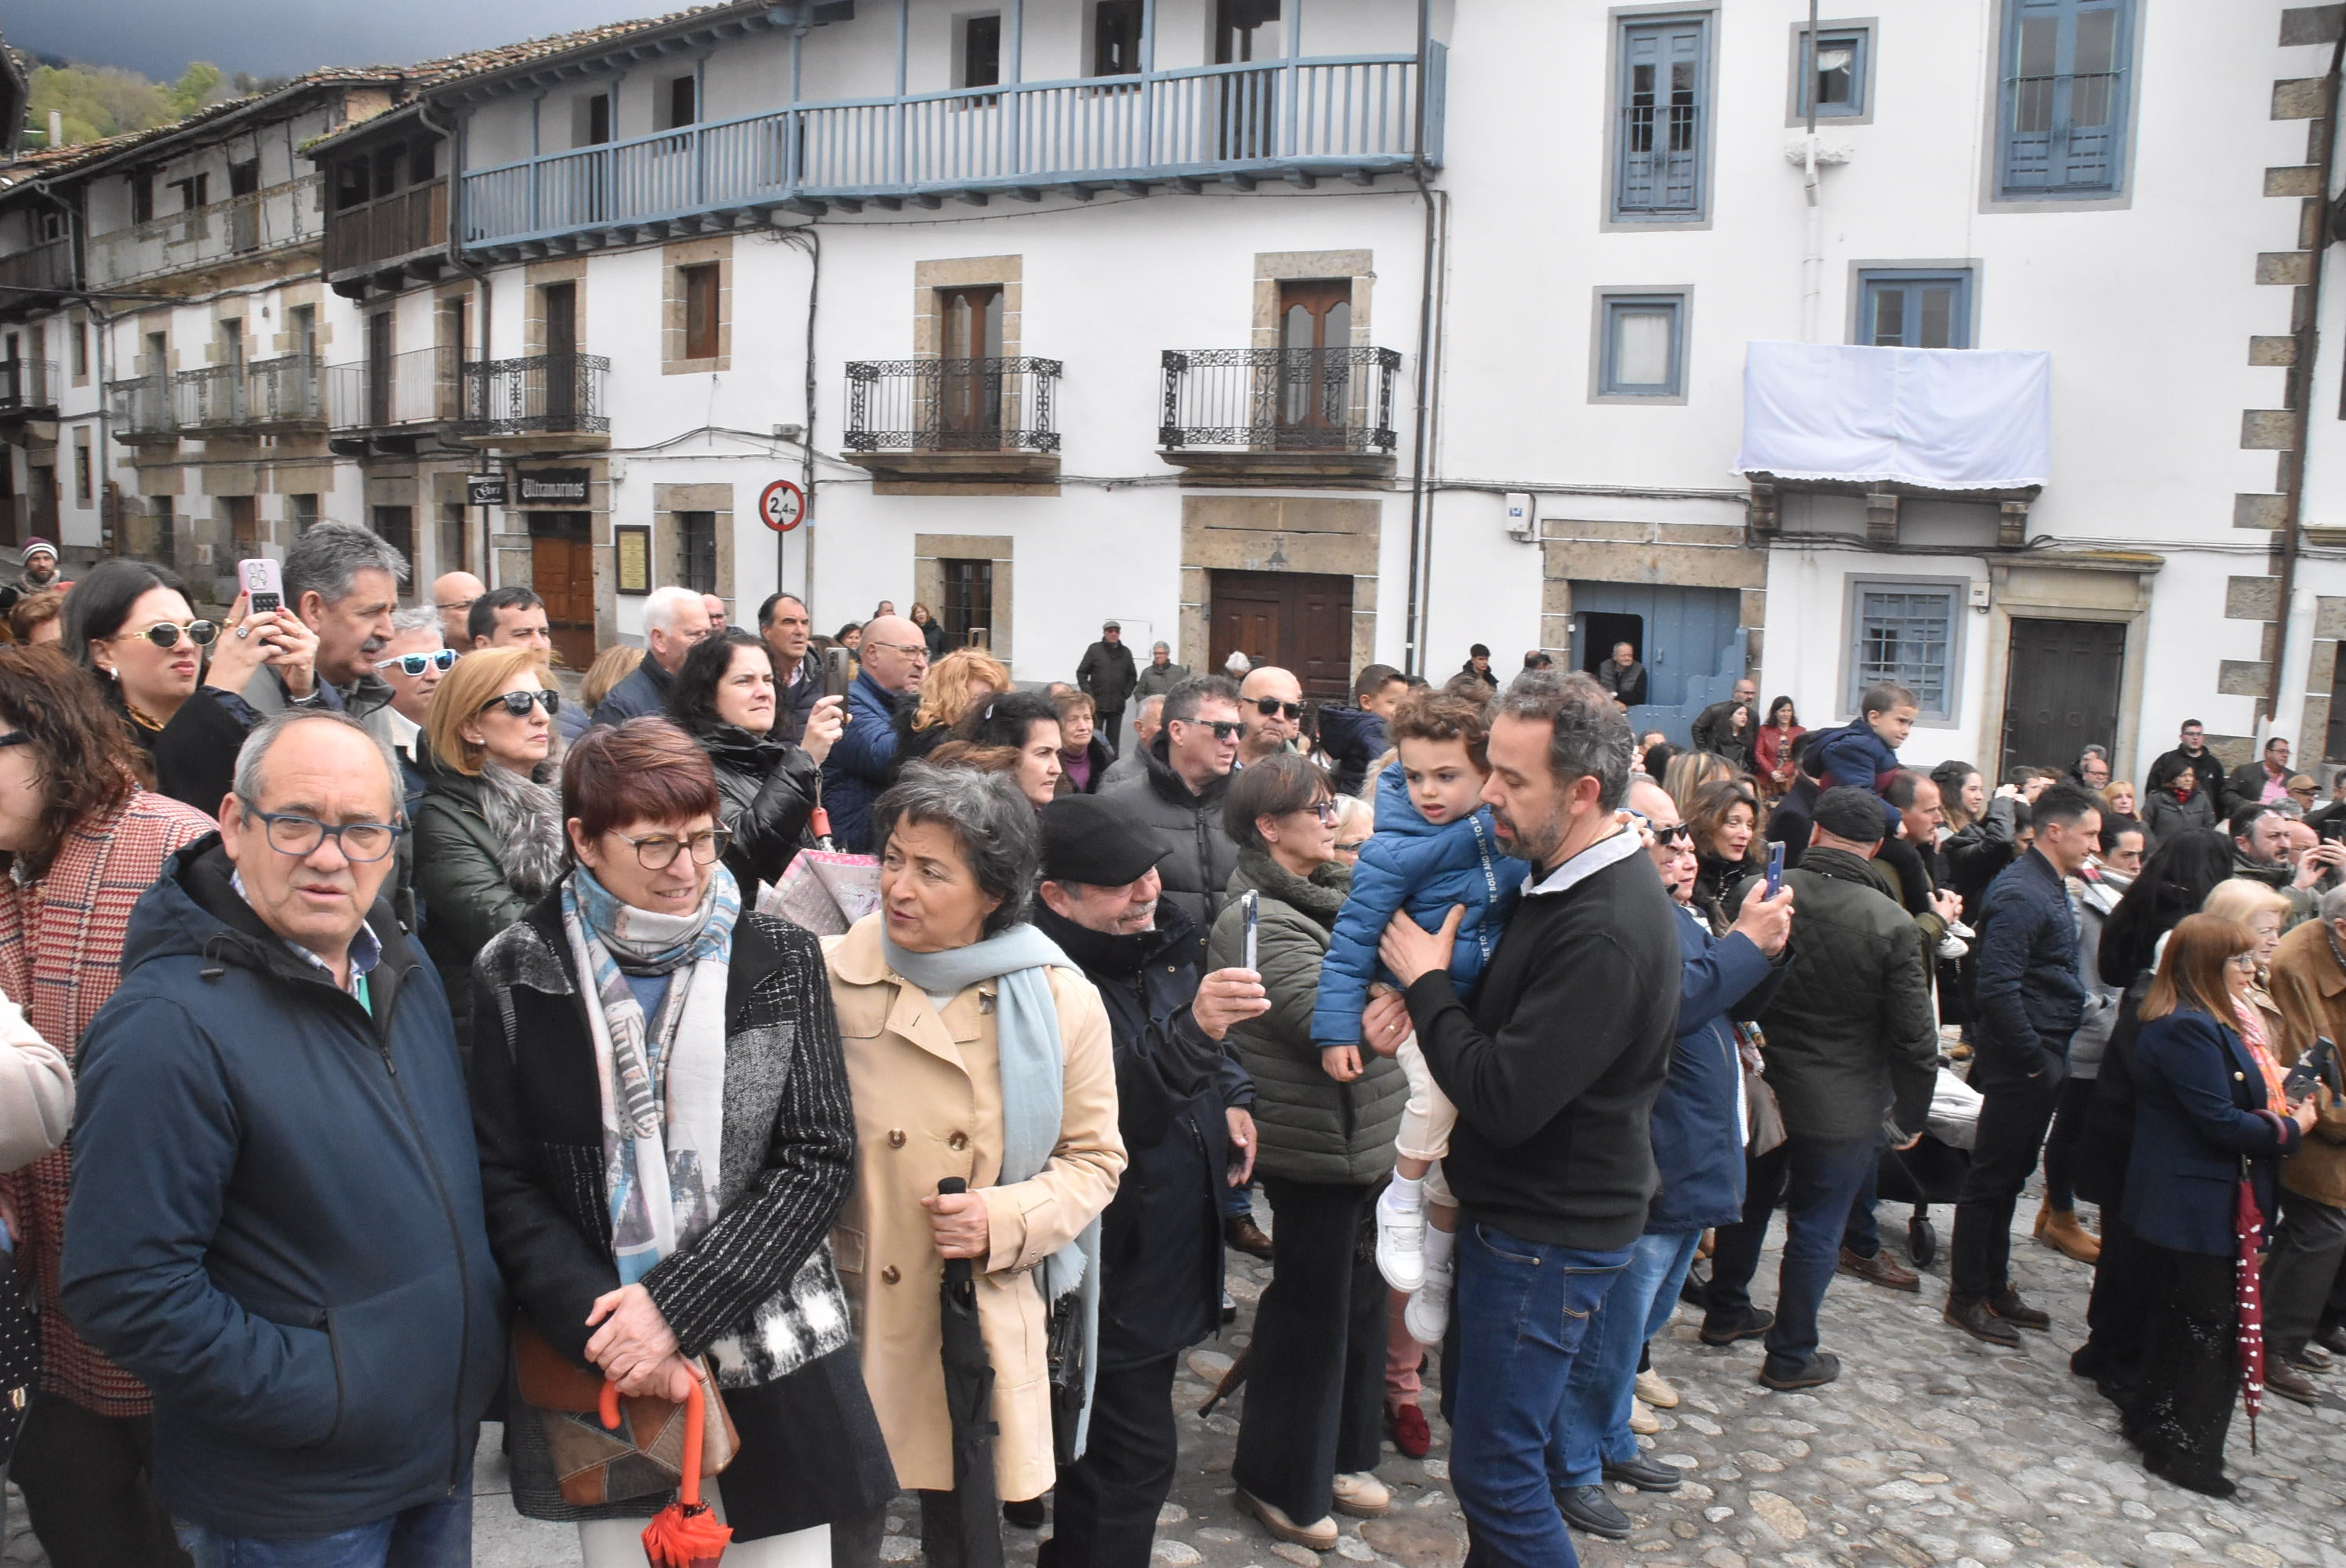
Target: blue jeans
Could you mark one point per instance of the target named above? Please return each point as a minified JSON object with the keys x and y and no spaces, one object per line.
{"x":1863,"y":1235}
{"x":1816,"y":1181}
{"x":1519,"y":1321}
{"x":1592,"y":1429}
{"x":429,"y":1535}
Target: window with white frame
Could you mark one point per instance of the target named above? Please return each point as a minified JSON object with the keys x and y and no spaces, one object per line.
{"x":1641,"y":345}
{"x":1661,"y":105}
{"x":1914,"y":307}
{"x":1906,"y":633}
{"x":2064,"y":96}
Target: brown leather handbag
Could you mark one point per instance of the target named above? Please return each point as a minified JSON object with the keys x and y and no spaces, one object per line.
{"x":644,"y":1458}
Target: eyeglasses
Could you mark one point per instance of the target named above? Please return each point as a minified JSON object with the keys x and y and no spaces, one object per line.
{"x":1351,"y":846}
{"x":1675,"y":834}
{"x":16,"y":738}
{"x":166,"y":634}
{"x":1269,"y":706}
{"x":456,"y":605}
{"x":1325,"y":811}
{"x":2242,"y":961}
{"x":910,"y":651}
{"x":292,"y":834}
{"x":1223,"y":728}
{"x":441,"y":659}
{"x":659,"y":852}
{"x":517,"y":703}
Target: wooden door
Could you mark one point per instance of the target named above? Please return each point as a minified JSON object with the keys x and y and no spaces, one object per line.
{"x":1689,"y":639}
{"x":1314,"y":391}
{"x":2062,"y":694}
{"x":970,"y":344}
{"x":562,"y":571}
{"x":561,"y":384}
{"x":1300,"y":621}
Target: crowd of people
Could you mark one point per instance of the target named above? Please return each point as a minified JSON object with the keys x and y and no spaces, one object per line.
{"x":399,"y":1032}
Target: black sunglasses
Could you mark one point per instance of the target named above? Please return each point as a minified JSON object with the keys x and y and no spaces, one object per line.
{"x":1223,"y":728}
{"x":517,"y":703}
{"x":1267,"y":706}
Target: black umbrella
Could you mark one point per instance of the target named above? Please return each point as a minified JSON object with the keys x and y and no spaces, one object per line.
{"x":969,"y":1400}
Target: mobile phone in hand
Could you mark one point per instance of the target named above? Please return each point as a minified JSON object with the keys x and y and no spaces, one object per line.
{"x":1250,"y":912}
{"x":263,"y":585}
{"x":1775,"y":869}
{"x":838,"y":667}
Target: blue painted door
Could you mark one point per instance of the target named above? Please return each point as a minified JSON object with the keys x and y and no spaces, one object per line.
{"x":1688,"y":640}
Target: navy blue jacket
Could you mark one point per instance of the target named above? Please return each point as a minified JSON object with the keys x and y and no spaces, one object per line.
{"x":644,"y":693}
{"x":1355,"y":738}
{"x":2198,"y":1112}
{"x":1694,"y":1121}
{"x":1420,"y":868}
{"x":858,"y":765}
{"x":276,"y":1218}
{"x":2029,"y":996}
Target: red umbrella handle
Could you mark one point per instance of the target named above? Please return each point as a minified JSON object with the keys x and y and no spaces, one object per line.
{"x":695,"y":1409}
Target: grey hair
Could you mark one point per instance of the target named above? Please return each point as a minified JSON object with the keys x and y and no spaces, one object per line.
{"x":1167,"y":646}
{"x":422,"y":618}
{"x":254,"y":752}
{"x":1181,"y":702}
{"x":1154,"y":700}
{"x":991,"y":823}
{"x":328,"y":559}
{"x":1590,"y":737}
{"x":662,"y":607}
{"x":2333,"y":903}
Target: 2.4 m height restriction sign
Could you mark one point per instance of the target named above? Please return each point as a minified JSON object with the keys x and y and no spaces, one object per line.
{"x":782,"y":505}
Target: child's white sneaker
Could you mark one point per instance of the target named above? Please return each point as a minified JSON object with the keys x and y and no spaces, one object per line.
{"x":1400,"y":1243}
{"x":1427,"y":1315}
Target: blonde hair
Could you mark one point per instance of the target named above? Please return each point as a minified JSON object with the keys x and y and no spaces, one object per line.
{"x":2117,"y":786}
{"x":2237,"y":898}
{"x":2191,"y":969}
{"x":951,"y":688}
{"x":1355,"y":817}
{"x":1688,"y":773}
{"x":464,"y":691}
{"x":611,"y":666}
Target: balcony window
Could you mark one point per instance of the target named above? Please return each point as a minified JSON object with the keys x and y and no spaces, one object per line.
{"x":1641,"y":347}
{"x":1839,"y":74}
{"x":1906,"y":633}
{"x":968,"y":610}
{"x":1116,"y":37}
{"x":194,"y":191}
{"x":701,"y":317}
{"x":1662,"y":104}
{"x":679,"y":105}
{"x":1240,"y":30}
{"x":979,"y":48}
{"x":2063,"y":98}
{"x":1913,"y":309}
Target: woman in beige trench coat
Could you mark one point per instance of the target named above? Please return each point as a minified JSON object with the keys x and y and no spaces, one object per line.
{"x":941,"y":997}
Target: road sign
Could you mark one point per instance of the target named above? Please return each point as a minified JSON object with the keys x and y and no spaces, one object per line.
{"x":484,"y":490}
{"x":782,"y":505}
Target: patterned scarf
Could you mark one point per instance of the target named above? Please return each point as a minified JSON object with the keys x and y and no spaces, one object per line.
{"x":662,"y":1080}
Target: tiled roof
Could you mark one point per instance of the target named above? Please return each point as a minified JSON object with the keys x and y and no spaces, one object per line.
{"x":504,"y":57}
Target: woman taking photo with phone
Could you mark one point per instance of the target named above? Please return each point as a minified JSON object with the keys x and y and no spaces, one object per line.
{"x":489,"y":836}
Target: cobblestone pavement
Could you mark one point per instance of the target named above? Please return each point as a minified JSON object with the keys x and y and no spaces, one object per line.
{"x":1932,"y":1449}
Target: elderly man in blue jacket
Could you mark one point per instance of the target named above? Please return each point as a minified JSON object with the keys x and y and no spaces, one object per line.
{"x":276,"y":1217}
{"x":895,"y":659}
{"x":1698,"y":1138}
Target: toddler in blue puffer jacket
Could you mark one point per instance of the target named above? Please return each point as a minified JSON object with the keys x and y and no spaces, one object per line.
{"x":1435,"y":848}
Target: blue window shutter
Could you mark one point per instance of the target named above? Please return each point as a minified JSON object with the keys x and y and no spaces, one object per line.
{"x":2066,"y":96}
{"x":1663,"y":100}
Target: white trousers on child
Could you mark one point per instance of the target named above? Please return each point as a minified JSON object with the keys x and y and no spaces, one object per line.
{"x":1425,"y":1120}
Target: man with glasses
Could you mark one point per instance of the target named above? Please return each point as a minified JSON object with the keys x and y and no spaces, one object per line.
{"x":896,"y":658}
{"x":454,"y":594}
{"x":675,"y":622}
{"x":277,"y":1222}
{"x":1178,"y":802}
{"x":1270,"y":703}
{"x":412,"y":662}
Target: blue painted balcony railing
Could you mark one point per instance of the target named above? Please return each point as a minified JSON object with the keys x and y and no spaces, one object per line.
{"x":1325,"y":116}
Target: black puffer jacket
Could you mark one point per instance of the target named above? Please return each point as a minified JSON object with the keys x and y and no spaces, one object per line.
{"x":1160,"y":1241}
{"x":1311,"y":1128}
{"x":1849,"y":1032}
{"x":1198,"y":856}
{"x":768,"y":787}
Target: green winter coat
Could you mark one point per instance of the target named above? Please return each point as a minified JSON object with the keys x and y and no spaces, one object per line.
{"x":1311,"y":1128}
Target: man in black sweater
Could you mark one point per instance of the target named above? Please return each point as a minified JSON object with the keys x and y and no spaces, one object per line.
{"x":1555,"y":1069}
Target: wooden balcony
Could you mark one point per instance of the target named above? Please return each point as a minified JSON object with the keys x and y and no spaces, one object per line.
{"x":389,"y":238}
{"x":28,"y":275}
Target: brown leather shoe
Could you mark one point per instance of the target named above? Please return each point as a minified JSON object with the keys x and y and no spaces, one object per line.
{"x":2059,"y":1229}
{"x":2289,"y":1383}
{"x":1975,"y":1318}
{"x":1881,"y":1269}
{"x":2007,"y":1304}
{"x":1244,"y":1235}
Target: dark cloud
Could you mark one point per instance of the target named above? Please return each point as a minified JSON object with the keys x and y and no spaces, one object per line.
{"x":281,"y":38}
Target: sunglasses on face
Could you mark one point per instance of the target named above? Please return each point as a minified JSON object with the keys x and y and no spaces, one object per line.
{"x":1676,"y":834}
{"x":1223,"y":728}
{"x":517,"y":703}
{"x":1269,"y":707}
{"x":441,"y":659}
{"x":166,"y":634}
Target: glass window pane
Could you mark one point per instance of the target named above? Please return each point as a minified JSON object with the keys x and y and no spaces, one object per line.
{"x":1889,"y":318}
{"x":2038,"y":36}
{"x":1641,"y":347}
{"x":1938,"y":302}
{"x":2097,"y":39}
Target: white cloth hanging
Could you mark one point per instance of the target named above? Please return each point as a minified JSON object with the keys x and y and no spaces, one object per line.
{"x":1951,"y":419}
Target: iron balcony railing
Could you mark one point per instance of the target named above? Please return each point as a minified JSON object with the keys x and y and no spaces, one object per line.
{"x":388,"y":228}
{"x":141,"y":405}
{"x":1334,"y":115}
{"x":266,"y":394}
{"x":1280,"y":400}
{"x":539,"y":392}
{"x":27,"y":384}
{"x":422,"y":386}
{"x":210,"y":399}
{"x":952,"y":405}
{"x":42,"y":269}
{"x":283,"y":215}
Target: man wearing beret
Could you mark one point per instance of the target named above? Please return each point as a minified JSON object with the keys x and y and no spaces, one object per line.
{"x":1182,"y":1109}
{"x":1851,"y":1044}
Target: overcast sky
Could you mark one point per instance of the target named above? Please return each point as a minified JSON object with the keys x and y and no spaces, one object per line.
{"x":280,"y":38}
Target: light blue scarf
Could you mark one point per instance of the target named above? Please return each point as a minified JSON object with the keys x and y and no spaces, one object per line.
{"x":1033,"y":1068}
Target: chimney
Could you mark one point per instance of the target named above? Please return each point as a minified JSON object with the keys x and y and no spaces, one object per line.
{"x":57,"y":128}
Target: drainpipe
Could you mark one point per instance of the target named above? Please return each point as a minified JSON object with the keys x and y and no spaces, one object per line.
{"x":2309,"y":345}
{"x":1812,"y":263}
{"x":452,"y":245}
{"x":1421,"y":495}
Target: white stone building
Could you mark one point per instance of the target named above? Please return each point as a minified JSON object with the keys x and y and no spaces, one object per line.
{"x":1337,"y":329}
